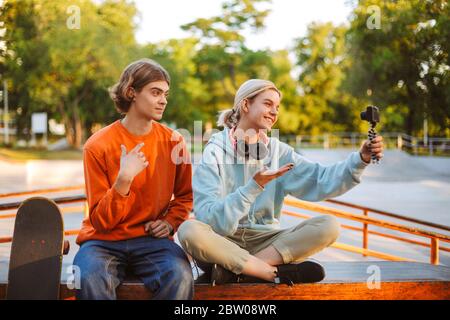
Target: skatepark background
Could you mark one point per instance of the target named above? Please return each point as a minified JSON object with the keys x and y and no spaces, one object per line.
{"x":414,"y":186}
{"x":330,"y":59}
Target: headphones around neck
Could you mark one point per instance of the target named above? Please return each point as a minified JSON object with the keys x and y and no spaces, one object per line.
{"x":256,"y":151}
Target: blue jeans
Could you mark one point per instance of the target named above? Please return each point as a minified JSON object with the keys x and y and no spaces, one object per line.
{"x":160,"y":264}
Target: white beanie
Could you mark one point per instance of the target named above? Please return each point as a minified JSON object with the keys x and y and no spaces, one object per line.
{"x":251,"y":88}
{"x":247,"y":90}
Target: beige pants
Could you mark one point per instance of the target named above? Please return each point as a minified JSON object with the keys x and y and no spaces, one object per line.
{"x":232,"y":252}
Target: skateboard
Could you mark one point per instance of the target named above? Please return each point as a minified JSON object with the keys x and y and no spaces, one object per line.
{"x":36,"y":251}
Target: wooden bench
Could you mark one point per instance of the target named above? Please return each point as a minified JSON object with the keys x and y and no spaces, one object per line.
{"x":344,"y":280}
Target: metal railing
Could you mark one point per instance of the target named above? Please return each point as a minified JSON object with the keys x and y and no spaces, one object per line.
{"x":434,"y":237}
{"x":398,"y":140}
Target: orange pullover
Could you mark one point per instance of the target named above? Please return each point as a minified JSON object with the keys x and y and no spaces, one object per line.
{"x":116,"y":217}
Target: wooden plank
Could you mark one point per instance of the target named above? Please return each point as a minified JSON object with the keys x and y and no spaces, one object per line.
{"x":389,"y":271}
{"x":433,"y":290}
{"x":327,"y":291}
{"x":344,"y":280}
{"x":346,"y":271}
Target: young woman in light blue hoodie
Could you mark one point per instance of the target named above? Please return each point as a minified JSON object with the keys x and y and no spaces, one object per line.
{"x":239,"y":188}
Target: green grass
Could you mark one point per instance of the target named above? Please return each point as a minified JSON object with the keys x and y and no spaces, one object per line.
{"x":24,"y":154}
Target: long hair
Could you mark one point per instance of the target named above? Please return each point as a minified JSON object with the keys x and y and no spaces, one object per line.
{"x":136,"y":75}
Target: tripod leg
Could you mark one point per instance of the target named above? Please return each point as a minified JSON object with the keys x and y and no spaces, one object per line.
{"x":372,"y":135}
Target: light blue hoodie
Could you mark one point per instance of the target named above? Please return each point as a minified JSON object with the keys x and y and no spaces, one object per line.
{"x":227,"y":197}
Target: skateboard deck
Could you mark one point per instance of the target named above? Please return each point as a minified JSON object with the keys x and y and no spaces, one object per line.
{"x":36,"y":251}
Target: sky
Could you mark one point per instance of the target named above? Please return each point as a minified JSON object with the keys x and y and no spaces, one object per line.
{"x":161,"y":20}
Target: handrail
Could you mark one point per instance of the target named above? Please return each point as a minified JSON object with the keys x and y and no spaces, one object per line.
{"x":290,"y":202}
{"x":434,"y":236}
{"x":368,"y":252}
{"x":66,"y":233}
{"x":382,"y":223}
{"x":402,"y":141}
{"x":60,"y":200}
{"x":51,"y":190}
{"x":339,"y":202}
{"x":349,"y":227}
{"x":389,"y":214}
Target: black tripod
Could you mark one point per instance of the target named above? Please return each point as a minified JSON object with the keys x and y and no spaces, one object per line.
{"x":373,"y":117}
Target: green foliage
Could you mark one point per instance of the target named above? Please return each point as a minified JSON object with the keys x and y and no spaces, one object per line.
{"x":222,"y":60}
{"x":337,"y":71}
{"x":188,"y":95}
{"x":405,"y":63}
{"x":325,"y":104}
{"x":66,"y":70}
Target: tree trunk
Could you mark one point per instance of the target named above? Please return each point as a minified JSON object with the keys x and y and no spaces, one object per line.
{"x":411,"y":116}
{"x":78,"y":130}
{"x":67,"y":123}
{"x":233,"y":75}
{"x":410,"y":119}
{"x":76,"y":125}
{"x":70,"y":126}
{"x":73,"y":121}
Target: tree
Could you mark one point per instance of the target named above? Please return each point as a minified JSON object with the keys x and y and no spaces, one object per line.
{"x":21,"y":44}
{"x":78,"y":64}
{"x":223,"y":61}
{"x":404,"y":65}
{"x":325,"y":104}
{"x":280,"y":73}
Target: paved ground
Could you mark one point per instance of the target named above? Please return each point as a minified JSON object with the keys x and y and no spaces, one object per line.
{"x":413,"y":186}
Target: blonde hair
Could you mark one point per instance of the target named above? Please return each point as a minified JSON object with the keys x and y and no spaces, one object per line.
{"x":248,"y":90}
{"x":136,"y":75}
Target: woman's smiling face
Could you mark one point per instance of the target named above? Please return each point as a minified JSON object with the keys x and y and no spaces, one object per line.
{"x":261,"y":112}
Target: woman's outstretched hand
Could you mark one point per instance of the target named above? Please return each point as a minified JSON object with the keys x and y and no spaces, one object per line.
{"x":265,"y":175}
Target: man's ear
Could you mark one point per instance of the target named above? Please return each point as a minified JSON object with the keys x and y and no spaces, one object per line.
{"x":131,"y":93}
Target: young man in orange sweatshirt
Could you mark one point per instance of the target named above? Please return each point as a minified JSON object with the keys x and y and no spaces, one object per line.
{"x":138,"y":194}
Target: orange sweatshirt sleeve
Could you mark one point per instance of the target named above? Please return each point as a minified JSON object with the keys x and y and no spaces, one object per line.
{"x":181,"y":205}
{"x":107,"y":207}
